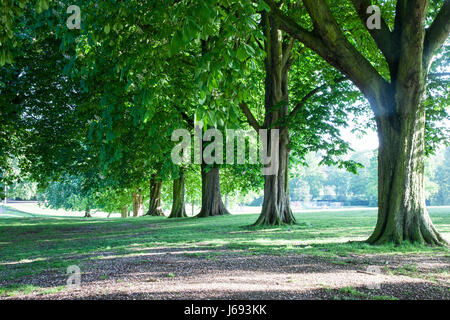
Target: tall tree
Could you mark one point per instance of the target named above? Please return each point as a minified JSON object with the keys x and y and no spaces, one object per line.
{"x":154,"y":206}
{"x":178,"y":201}
{"x":212,"y":204}
{"x":309,"y":123}
{"x":396,"y":100}
{"x":276,"y":206}
{"x":442,"y":178}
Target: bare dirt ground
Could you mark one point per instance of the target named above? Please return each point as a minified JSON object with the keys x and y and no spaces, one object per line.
{"x":179,"y":273}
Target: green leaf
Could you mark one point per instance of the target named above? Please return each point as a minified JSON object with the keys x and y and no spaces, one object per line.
{"x":241,"y":53}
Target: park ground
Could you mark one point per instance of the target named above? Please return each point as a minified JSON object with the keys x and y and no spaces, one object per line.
{"x":322,"y":257}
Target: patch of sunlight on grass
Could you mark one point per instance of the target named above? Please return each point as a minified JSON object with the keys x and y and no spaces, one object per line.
{"x":23,"y":289}
{"x":42,"y":243}
{"x":23,"y":261}
{"x":271,"y":242}
{"x":350,"y":293}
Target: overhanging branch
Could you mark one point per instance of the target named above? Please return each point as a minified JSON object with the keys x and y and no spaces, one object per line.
{"x":329,"y":42}
{"x":310,"y":94}
{"x":288,"y":25}
{"x":249,"y":116}
{"x":439,"y":75}
{"x":287,"y":52}
{"x":346,"y":57}
{"x":437,"y":33}
{"x":383,"y":37}
{"x":185,"y":117}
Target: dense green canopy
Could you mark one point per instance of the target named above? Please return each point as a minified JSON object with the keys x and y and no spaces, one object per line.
{"x":91,"y":111}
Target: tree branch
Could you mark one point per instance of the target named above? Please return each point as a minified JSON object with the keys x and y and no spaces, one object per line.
{"x":287,"y":52}
{"x":329,"y":42}
{"x":348,"y":59}
{"x":310,"y":94}
{"x":288,"y":25}
{"x":439,"y":75}
{"x":437,"y":33}
{"x":249,"y":115}
{"x":187,"y":62}
{"x":383,"y":37}
{"x":186,"y":118}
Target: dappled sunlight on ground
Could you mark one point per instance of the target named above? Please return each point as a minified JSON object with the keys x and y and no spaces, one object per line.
{"x":173,"y":275}
{"x":322,"y":257}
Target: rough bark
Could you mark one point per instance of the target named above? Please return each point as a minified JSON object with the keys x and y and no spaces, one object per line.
{"x":178,"y":203}
{"x":402,"y":213}
{"x":87,"y":212}
{"x":138,"y":204}
{"x":154,"y":208}
{"x":124,"y":212}
{"x":400,"y":115}
{"x":212,"y":204}
{"x":4,"y":194}
{"x":397,"y":104}
{"x":276,"y":205}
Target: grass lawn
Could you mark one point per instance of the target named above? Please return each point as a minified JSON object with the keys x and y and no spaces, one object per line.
{"x":31,"y":243}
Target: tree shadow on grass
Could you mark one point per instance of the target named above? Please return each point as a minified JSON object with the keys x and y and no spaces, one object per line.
{"x":31,"y":247}
{"x":155,"y":265}
{"x":388,"y":291}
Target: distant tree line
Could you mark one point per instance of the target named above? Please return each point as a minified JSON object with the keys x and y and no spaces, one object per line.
{"x":330,"y":183}
{"x":308,"y":183}
{"x":93,"y":109}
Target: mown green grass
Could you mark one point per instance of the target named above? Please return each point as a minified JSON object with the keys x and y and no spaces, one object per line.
{"x":33,"y":244}
{"x":21,"y":289}
{"x":350,"y":293}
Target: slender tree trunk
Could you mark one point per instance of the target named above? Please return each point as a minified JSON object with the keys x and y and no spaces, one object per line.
{"x":212,"y":204}
{"x":397,"y":103}
{"x":276,"y":205}
{"x":138,"y":204}
{"x":87,"y":212}
{"x":135,"y":204}
{"x":154,"y":208}
{"x":178,"y":204}
{"x":4,"y":196}
{"x":402,"y":213}
{"x":124,"y":212}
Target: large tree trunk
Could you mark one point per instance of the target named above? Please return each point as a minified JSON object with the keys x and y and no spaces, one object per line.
{"x":154,"y":208}
{"x":138,"y":204}
{"x":402,"y":214}
{"x":87,"y":212}
{"x":397,"y":102}
{"x":400,"y":115}
{"x":276,"y":205}
{"x":4,"y":194}
{"x":178,"y":205}
{"x":124,"y":212}
{"x":212,"y":204}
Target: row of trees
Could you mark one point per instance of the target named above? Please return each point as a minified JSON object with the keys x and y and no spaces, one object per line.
{"x":307,"y":183}
{"x":316,"y":182}
{"x":100,"y":102}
